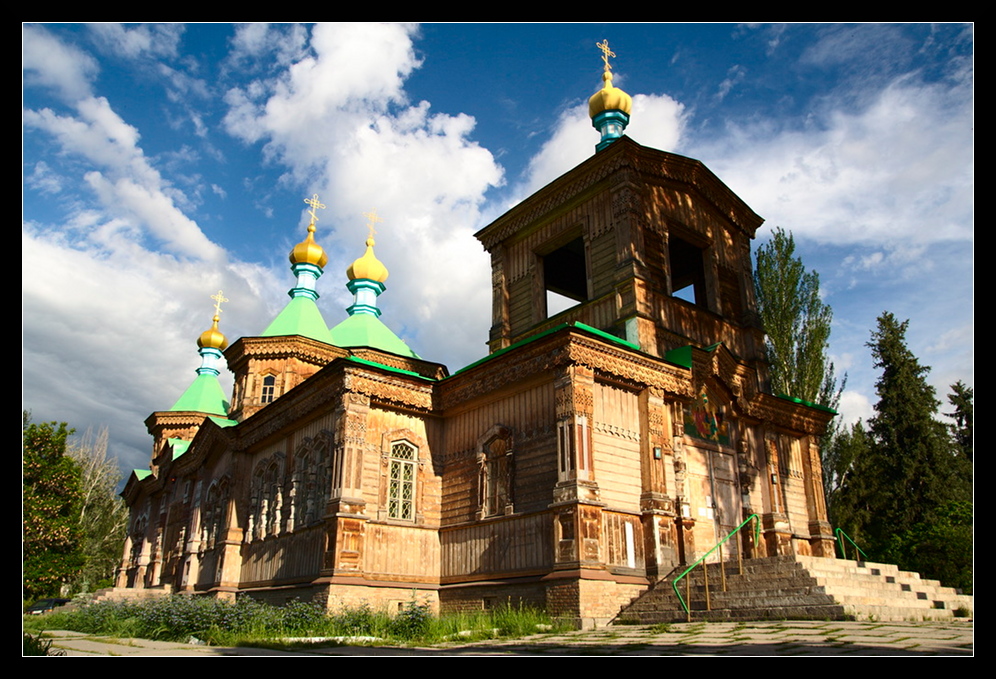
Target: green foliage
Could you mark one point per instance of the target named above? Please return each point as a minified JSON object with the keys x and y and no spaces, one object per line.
{"x":940,"y":547}
{"x":247,"y":621}
{"x":797,"y":323}
{"x":51,"y":504}
{"x":905,"y":496}
{"x":37,"y":645}
{"x":848,"y":451}
{"x":963,"y":429}
{"x":412,"y":622}
{"x":103,"y":515}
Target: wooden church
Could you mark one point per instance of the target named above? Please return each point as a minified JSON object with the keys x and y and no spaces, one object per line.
{"x":590,"y":453}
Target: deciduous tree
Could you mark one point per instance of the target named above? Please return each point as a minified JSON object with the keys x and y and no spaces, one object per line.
{"x":796,"y":324}
{"x":51,"y":503}
{"x":103,"y":514}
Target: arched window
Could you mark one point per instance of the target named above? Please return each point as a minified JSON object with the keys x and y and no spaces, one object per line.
{"x":495,"y":460}
{"x":401,"y":481}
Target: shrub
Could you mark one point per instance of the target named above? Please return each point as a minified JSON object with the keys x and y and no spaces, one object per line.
{"x":412,"y":622}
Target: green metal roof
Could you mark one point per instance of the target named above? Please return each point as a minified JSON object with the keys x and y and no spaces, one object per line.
{"x":550,"y":331}
{"x":400,"y":371}
{"x":681,"y":356}
{"x":141,"y":474}
{"x":793,"y":399}
{"x":179,"y":446}
{"x":300,"y":317}
{"x":366,"y":330}
{"x":204,"y":395}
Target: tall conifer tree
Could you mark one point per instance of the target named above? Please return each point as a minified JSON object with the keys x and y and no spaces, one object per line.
{"x":914,"y":460}
{"x":963,"y":430}
{"x":907,"y":500}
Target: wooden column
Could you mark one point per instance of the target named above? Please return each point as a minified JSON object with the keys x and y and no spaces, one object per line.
{"x":345,"y":515}
{"x":657,"y":507}
{"x":577,"y":515}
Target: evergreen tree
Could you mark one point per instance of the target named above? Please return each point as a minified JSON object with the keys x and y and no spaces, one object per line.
{"x":796,"y":323}
{"x":848,"y":453}
{"x":51,"y":502}
{"x":914,"y":459}
{"x":905,"y":499}
{"x":963,"y":400}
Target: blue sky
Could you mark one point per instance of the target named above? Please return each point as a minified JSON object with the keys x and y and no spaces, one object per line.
{"x":163,"y":162}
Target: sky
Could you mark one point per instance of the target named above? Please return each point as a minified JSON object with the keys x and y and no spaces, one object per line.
{"x":162,"y":163}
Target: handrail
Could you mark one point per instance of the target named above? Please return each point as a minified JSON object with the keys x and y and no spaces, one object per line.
{"x":840,"y":532}
{"x":719,"y":545}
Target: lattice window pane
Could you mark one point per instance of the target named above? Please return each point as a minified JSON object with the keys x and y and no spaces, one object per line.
{"x":401,"y":482}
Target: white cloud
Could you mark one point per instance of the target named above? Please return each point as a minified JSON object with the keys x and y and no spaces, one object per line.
{"x":44,"y":180}
{"x":340,"y":121}
{"x":110,"y":332}
{"x":855,"y":406}
{"x":51,"y":63}
{"x":899,"y":170}
{"x":656,"y":121}
{"x":144,"y":40}
{"x":269,"y":45}
{"x":128,"y":186}
{"x":155,"y":210}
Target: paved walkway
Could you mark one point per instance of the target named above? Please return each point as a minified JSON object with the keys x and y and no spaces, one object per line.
{"x":796,"y":638}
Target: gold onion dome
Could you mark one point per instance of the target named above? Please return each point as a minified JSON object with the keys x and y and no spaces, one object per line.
{"x":368,"y":266}
{"x":308,"y":251}
{"x":609,"y":98}
{"x":212,"y":338}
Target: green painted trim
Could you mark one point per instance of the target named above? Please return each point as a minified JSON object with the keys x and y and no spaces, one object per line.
{"x":300,"y":317}
{"x":381,"y":366}
{"x":800,"y":401}
{"x":608,"y":336}
{"x":556,"y":328}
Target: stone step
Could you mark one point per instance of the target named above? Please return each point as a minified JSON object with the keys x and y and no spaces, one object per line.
{"x":802,"y":587}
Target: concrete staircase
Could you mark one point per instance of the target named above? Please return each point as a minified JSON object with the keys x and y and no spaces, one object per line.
{"x":129,"y":594}
{"x":801,"y":588}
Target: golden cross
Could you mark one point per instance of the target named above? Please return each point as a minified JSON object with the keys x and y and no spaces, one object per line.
{"x":218,"y":299}
{"x":606,"y":52}
{"x":372,"y":219}
{"x":315,"y":204}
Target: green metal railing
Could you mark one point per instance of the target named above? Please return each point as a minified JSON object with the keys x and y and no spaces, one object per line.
{"x":843,"y":547}
{"x":722,"y":568}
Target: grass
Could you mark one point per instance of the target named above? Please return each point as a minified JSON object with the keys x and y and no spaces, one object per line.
{"x":36,"y":644}
{"x":248,"y":622}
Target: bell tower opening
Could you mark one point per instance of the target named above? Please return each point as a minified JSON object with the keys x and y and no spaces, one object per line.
{"x":565,"y":277}
{"x":688,"y":279}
